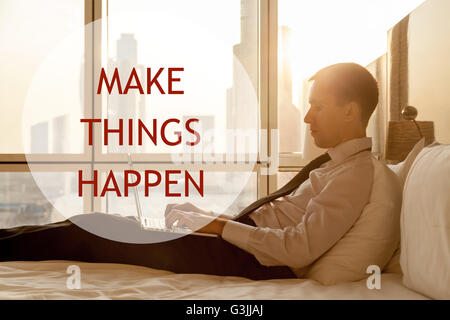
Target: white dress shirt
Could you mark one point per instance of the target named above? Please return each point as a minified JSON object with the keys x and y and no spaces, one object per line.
{"x":296,"y":229}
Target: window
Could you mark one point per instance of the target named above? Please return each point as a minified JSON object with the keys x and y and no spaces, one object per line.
{"x":244,"y":63}
{"x":47,"y":145}
{"x":27,"y":47}
{"x":35,"y":116}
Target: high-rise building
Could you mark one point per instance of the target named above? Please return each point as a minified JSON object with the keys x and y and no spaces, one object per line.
{"x":39,"y":137}
{"x":242,"y":105}
{"x":125,"y":106}
{"x":242,"y":97}
{"x":289,"y":115}
{"x":60,"y":134}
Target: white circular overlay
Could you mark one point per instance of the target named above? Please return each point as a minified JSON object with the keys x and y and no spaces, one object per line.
{"x":219,"y":85}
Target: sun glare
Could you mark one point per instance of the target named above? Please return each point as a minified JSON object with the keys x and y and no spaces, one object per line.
{"x":324,"y":32}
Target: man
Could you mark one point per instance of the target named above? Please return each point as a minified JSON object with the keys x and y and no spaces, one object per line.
{"x":307,"y":223}
{"x":275,"y":237}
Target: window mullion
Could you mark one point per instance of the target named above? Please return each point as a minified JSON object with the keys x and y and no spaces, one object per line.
{"x":93,"y":13}
{"x":272,"y":83}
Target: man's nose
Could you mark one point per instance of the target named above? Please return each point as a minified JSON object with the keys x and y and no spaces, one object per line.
{"x":308,"y":116}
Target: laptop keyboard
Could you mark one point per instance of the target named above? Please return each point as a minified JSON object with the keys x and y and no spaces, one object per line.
{"x":160,"y":224}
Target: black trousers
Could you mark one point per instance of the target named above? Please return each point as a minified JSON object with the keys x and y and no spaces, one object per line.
{"x":188,"y":254}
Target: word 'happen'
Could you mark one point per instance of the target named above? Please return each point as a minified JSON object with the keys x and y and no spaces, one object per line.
{"x":111,"y":184}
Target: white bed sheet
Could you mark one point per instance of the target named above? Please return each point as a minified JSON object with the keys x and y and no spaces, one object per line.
{"x":47,"y":280}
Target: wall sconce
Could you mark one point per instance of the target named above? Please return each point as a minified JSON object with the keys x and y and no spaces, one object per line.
{"x":403,"y":135}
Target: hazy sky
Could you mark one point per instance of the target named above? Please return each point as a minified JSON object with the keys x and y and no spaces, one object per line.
{"x":197,"y":34}
{"x":330,"y":31}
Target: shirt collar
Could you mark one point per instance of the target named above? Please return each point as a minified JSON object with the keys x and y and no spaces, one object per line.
{"x":348,"y":148}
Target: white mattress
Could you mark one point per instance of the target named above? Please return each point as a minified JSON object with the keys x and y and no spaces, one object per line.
{"x":47,"y":280}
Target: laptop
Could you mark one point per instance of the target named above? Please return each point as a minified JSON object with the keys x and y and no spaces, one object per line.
{"x":159,"y":224}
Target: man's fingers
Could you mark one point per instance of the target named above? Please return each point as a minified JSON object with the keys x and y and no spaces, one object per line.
{"x":172,"y":216}
{"x":175,"y":215}
{"x":192,"y":220}
{"x":179,"y":206}
{"x":169,"y":208}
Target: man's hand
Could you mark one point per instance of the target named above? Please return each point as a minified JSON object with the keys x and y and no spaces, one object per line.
{"x":195,"y":221}
{"x":186,"y":207}
{"x":189,"y":207}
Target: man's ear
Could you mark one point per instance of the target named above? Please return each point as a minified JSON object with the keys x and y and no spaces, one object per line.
{"x":352,"y":111}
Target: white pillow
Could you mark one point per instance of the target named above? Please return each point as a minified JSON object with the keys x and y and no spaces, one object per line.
{"x":401,"y":169}
{"x":425,"y":224}
{"x":373,"y":238}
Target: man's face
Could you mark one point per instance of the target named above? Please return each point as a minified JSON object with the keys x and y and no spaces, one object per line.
{"x":325,"y":117}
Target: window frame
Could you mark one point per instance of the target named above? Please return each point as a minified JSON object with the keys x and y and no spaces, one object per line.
{"x":93,"y":106}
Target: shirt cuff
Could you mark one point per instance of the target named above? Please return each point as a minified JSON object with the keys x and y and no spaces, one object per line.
{"x":237,"y":233}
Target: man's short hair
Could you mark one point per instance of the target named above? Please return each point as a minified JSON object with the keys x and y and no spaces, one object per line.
{"x":351,"y":82}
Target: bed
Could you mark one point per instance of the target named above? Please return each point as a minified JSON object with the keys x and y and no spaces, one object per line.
{"x":419,"y":270}
{"x":47,"y":280}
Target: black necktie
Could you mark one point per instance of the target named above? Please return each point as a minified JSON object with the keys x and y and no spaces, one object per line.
{"x":302,"y":176}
